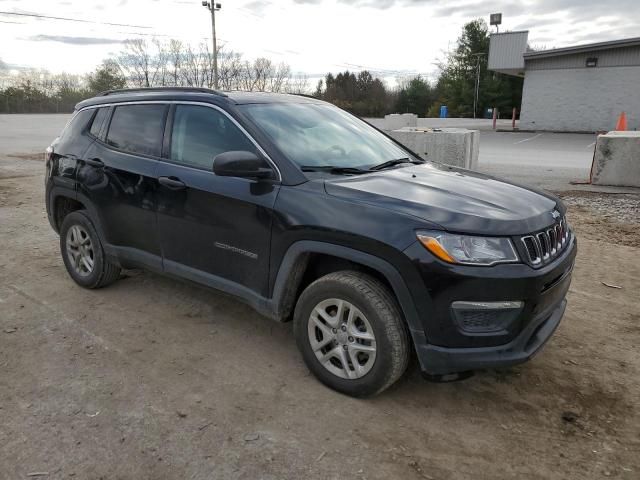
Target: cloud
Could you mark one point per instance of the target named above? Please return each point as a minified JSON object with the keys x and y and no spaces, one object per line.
{"x":468,"y":8}
{"x":479,"y":9}
{"x":74,"y":40}
{"x":256,"y":6}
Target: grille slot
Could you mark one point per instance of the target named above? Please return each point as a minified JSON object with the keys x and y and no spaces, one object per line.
{"x":532,"y":251}
{"x":544,"y":244}
{"x":543,"y":247}
{"x":552,"y":240}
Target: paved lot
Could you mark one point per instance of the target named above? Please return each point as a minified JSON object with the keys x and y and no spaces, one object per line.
{"x":29,"y":133}
{"x":154,"y":378}
{"x":547,"y":160}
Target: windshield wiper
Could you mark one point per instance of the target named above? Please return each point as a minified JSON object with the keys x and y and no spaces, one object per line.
{"x":332,"y":169}
{"x":394,"y":162}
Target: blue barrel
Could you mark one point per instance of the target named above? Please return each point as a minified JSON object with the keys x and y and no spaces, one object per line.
{"x":443,"y":111}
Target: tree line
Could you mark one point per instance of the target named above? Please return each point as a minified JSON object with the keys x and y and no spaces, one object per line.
{"x":463,"y":69}
{"x":143,"y":63}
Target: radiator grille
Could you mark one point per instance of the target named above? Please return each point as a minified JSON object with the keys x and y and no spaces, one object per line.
{"x":543,"y":247}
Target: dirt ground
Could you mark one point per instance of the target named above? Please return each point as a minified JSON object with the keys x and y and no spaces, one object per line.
{"x":154,"y":378}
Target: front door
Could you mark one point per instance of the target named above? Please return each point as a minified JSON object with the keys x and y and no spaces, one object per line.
{"x":212,"y":229}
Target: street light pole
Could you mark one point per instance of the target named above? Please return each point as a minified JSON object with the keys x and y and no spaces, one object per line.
{"x":213,"y":7}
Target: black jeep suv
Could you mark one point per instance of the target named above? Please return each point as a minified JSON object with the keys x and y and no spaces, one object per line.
{"x":308,"y":213}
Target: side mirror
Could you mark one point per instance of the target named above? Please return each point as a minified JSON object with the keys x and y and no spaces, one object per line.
{"x":241,"y":164}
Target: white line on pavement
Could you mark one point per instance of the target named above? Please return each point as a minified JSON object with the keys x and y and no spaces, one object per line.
{"x":591,"y":145}
{"x":527,"y":139}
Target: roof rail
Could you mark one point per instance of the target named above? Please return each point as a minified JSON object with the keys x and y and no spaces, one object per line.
{"x":161,"y":89}
{"x":306,"y":95}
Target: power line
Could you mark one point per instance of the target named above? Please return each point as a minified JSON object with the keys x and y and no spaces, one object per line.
{"x":381,"y":71}
{"x":66,"y":19}
{"x":151,"y":34}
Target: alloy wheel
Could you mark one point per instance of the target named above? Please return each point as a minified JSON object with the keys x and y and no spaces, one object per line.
{"x":80,"y":250}
{"x":342,"y":338}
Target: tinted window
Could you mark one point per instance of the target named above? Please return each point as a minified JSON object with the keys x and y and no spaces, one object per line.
{"x":98,"y":120}
{"x":77,"y":124}
{"x":201,"y":133}
{"x":137,"y":128}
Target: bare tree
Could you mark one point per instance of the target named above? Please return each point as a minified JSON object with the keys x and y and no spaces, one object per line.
{"x":297,"y":84}
{"x":194,"y":71}
{"x":160,"y":63}
{"x":176,"y":55}
{"x":230,"y":66}
{"x":279,"y":78}
{"x":147,"y":64}
{"x":135,"y":63}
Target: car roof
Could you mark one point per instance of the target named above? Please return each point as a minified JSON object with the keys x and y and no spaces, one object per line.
{"x":193,"y":94}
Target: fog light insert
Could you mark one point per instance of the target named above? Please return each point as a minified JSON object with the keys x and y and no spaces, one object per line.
{"x":485,"y":317}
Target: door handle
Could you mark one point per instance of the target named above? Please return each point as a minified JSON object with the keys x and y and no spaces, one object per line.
{"x":94,"y":162}
{"x":172,"y":183}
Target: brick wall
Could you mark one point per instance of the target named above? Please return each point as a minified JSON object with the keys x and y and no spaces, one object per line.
{"x":582,"y":99}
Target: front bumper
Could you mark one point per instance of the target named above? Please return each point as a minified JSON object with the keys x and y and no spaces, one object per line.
{"x":442,"y":360}
{"x":442,"y":347}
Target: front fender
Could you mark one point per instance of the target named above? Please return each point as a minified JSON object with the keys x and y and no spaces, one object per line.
{"x":294,"y":263}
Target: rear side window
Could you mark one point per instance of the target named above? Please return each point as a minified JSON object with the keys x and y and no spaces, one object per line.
{"x":137,"y":129}
{"x":201,"y":133}
{"x":98,"y":121}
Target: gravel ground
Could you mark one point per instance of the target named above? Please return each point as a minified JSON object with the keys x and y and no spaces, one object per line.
{"x":155,"y":378}
{"x":622,"y":208}
{"x":611,"y":218}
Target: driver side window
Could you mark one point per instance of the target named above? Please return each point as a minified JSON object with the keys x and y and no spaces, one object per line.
{"x":200,"y":133}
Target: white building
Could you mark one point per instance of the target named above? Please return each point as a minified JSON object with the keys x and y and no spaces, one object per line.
{"x":574,"y":89}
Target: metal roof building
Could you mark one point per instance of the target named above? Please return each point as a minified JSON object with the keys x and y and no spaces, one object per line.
{"x":582,"y":88}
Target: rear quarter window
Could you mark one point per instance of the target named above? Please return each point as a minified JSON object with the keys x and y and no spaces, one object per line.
{"x":98,"y":121}
{"x":77,"y":125}
{"x":137,"y":129}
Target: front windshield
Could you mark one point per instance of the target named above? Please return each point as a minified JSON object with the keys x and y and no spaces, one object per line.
{"x":313,"y":135}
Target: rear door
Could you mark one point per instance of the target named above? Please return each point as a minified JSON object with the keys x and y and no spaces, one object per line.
{"x":212,"y":229}
{"x":117,"y":176}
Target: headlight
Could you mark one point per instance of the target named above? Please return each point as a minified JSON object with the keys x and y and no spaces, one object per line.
{"x":468,"y":250}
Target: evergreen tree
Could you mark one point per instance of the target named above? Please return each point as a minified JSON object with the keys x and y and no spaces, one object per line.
{"x":457,"y":82}
{"x":416,"y":96}
{"x":106,"y":77}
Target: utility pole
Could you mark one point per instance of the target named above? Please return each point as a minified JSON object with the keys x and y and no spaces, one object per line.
{"x":213,"y":7}
{"x":476,"y":93}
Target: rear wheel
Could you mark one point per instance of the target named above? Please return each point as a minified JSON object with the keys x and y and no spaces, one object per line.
{"x":350,"y":332}
{"x":83,"y":254}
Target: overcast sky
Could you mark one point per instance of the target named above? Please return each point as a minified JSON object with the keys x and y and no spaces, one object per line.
{"x":313,"y":36}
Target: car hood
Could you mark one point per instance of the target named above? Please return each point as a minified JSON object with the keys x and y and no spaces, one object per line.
{"x":454,"y":199}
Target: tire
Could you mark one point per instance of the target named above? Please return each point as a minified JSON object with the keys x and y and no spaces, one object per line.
{"x":375,"y":312}
{"x":77,"y":229}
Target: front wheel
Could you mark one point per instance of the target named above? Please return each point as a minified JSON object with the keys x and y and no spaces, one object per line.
{"x":351,"y":334}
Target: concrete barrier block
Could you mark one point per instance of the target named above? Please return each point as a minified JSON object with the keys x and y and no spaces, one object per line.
{"x":617,"y":160}
{"x":396,"y":121}
{"x":452,"y":146}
